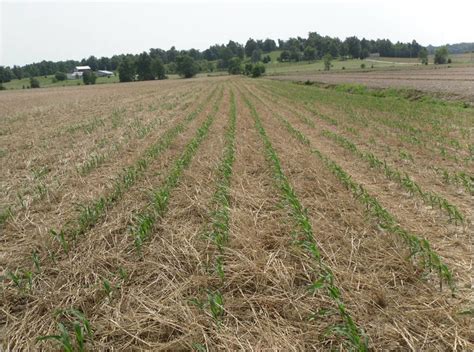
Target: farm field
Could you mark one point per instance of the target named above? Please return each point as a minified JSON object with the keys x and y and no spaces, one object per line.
{"x":229,"y":213}
{"x":451,"y":83}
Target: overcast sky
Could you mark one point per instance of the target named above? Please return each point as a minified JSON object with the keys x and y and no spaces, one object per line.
{"x":32,"y":31}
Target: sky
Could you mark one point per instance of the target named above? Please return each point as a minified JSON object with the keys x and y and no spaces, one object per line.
{"x":31,"y":31}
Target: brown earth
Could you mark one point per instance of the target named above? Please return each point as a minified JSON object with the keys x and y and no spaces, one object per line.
{"x":160,"y":298}
{"x":451,"y":83}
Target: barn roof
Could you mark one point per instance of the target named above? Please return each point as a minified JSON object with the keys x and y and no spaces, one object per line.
{"x":83,"y":68}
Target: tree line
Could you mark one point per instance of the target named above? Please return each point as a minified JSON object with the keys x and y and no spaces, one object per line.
{"x":156,"y":62}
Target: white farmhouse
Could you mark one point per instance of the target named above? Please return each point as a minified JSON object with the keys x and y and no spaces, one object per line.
{"x":78,"y":72}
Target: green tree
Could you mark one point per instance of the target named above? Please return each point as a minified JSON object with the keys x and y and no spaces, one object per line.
{"x":158,"y":69}
{"x":310,"y":53}
{"x":143,"y":64}
{"x":258,"y":70}
{"x":441,"y":55}
{"x":34,"y":83}
{"x":250,"y":46}
{"x":89,"y":78}
{"x":186,"y":66}
{"x":353,"y":46}
{"x":269,"y":45}
{"x":235,"y":66}
{"x":248,"y":69}
{"x":18,"y":72}
{"x":423,"y":56}
{"x":266,"y":59}
{"x":284,"y":56}
{"x":327,"y":61}
{"x":6,"y":74}
{"x":256,"y":55}
{"x":60,"y":76}
{"x":126,"y":70}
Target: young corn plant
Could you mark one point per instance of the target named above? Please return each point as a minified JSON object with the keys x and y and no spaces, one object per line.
{"x":145,"y":220}
{"x":419,"y":247}
{"x":218,"y":233}
{"x":403,"y":180}
{"x":79,"y":328}
{"x":305,"y":238}
{"x":91,"y":213}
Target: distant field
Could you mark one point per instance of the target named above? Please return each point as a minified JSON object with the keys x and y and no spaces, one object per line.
{"x":455,"y":82}
{"x":47,"y":81}
{"x":277,"y":68}
{"x":228,"y":214}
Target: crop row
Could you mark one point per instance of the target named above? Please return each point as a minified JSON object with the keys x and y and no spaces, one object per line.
{"x":145,"y":220}
{"x":90,"y":214}
{"x":304,"y":237}
{"x":218,"y":232}
{"x":140,"y":230}
{"x":39,"y":190}
{"x":411,"y":135}
{"x":403,"y":179}
{"x":419,"y":247}
{"x":403,"y":154}
{"x":97,"y":159}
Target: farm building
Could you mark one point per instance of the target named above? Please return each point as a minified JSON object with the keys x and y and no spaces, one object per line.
{"x":78,"y":71}
{"x":104,"y":73}
{"x":82,"y":69}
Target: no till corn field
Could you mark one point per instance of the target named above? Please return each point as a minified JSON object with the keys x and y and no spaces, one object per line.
{"x":234,"y":214}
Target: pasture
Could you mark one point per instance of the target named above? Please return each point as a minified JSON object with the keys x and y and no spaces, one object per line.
{"x":229,"y":213}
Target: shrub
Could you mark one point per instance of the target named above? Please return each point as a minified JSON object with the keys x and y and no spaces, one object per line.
{"x":235,"y":66}
{"x":60,"y":76}
{"x":441,"y":55}
{"x":126,"y":70}
{"x":327,"y":62}
{"x":3,"y":88}
{"x":258,"y":70}
{"x":423,"y":56}
{"x":256,"y":55}
{"x":248,"y":69}
{"x":89,"y":78}
{"x":362,"y":65}
{"x":449,"y":61}
{"x":158,"y":69}
{"x":186,"y":66}
{"x":284,"y":56}
{"x":267,"y":59}
{"x":34,"y":83}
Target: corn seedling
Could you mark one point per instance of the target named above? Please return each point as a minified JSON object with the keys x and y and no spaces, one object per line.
{"x":403,"y":180}
{"x":144,"y":221}
{"x":91,"y":213}
{"x":305,"y":238}
{"x":418,"y":247}
{"x":36,"y":261}
{"x":80,"y":329}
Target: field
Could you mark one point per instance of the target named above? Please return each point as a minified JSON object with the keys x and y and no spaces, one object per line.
{"x":228,"y":213}
{"x":452,"y":83}
{"x":275,"y":68}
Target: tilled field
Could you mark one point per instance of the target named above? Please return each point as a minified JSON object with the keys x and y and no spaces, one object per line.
{"x":234,"y":214}
{"x":451,"y":83}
